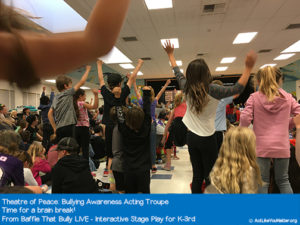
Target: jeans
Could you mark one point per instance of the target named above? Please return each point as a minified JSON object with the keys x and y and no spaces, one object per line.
{"x":203,"y":155}
{"x":281,"y":167}
{"x":153,"y":143}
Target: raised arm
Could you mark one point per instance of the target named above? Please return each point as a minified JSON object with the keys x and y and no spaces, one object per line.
{"x":83,"y":78}
{"x":163,"y":90}
{"x":43,"y":92}
{"x":169,"y":49}
{"x":137,"y":91}
{"x":51,"y":119}
{"x":132,"y":78}
{"x":95,"y":105}
{"x":100,"y":73}
{"x":249,"y":64}
{"x":52,"y":95}
{"x":60,"y":53}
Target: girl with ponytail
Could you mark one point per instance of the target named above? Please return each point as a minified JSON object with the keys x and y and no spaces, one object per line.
{"x":270,"y":109}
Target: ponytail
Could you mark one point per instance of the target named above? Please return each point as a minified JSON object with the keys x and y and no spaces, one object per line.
{"x":268,"y":85}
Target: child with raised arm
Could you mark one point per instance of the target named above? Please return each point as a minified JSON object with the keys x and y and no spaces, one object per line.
{"x":202,"y":98}
{"x":114,"y":96}
{"x":63,"y":107}
{"x":135,"y":126}
{"x":270,"y":109}
{"x":154,"y":101}
{"x":82,"y":131}
{"x":45,"y":105}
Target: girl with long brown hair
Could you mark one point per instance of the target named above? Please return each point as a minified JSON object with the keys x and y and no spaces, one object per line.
{"x":202,"y":100}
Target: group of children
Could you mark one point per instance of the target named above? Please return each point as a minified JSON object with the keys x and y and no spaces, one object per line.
{"x":239,"y":165}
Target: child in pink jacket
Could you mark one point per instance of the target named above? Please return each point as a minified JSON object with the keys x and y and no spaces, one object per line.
{"x":40,"y":164}
{"x":270,"y":109}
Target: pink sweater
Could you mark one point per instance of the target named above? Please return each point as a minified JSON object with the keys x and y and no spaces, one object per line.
{"x":40,"y":165}
{"x":270,"y":123}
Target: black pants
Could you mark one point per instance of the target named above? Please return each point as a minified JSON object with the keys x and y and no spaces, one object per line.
{"x":108,"y":140}
{"x":120,"y":180}
{"x":82,"y":135}
{"x":67,"y":131}
{"x":219,"y":136}
{"x":203,"y":154}
{"x":137,"y":182}
{"x":47,"y":132}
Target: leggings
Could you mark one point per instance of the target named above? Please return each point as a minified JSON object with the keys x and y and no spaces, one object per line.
{"x":83,"y":139}
{"x":203,"y":155}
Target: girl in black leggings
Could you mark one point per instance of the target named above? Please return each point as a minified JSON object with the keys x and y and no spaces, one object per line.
{"x":202,"y":98}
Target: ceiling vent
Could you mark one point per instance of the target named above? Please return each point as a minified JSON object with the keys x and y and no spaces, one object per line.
{"x":265,"y":50}
{"x":146,"y":58}
{"x":214,"y":8}
{"x":201,"y":54}
{"x":293,"y":26}
{"x":130,"y":38}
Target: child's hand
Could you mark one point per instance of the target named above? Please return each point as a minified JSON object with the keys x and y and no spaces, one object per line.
{"x":95,"y":92}
{"x":99,"y":62}
{"x":44,"y":89}
{"x":88,"y":68}
{"x":168,"y":47}
{"x":146,"y":88}
{"x":250,"y":59}
{"x":128,"y":75}
{"x":52,"y":89}
{"x":140,"y":61}
{"x":297,"y":121}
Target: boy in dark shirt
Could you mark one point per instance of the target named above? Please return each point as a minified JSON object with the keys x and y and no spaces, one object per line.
{"x":134,"y":126}
{"x":116,"y":96}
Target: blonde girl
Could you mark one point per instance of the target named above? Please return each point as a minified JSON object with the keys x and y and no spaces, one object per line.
{"x":40,"y":164}
{"x":270,"y":109}
{"x":236,"y":170}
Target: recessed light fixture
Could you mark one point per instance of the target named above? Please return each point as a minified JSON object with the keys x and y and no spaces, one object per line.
{"x":179,"y":63}
{"x":115,"y":56}
{"x":127,"y":66}
{"x":284,"y":56}
{"x":293,"y":48}
{"x":85,"y":88}
{"x":159,"y":4}
{"x":51,"y":81}
{"x":174,"y":41}
{"x":140,"y":73}
{"x":222,"y":68}
{"x":271,"y":64}
{"x":243,"y":38}
{"x":228,"y":60}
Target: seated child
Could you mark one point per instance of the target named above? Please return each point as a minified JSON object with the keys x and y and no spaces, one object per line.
{"x":236,"y":170}
{"x":71,"y":174}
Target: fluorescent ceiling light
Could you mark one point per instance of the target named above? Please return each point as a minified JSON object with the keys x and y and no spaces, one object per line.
{"x":179,"y":63}
{"x":284,"y":56}
{"x":271,"y":64}
{"x":115,"y":56}
{"x":293,"y":48}
{"x":174,"y":41}
{"x":243,"y":38}
{"x":181,"y":70}
{"x":140,"y":73}
{"x":51,"y":81}
{"x":159,"y":4}
{"x":223,"y":68}
{"x":127,"y":66}
{"x":228,"y":60}
{"x":85,"y":88}
{"x":54,"y":15}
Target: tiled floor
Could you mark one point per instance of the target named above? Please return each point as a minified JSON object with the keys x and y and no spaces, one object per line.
{"x":180,"y":179}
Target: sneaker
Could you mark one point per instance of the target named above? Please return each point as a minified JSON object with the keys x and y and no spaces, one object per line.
{"x":154,"y":170}
{"x":167,"y":168}
{"x":105,"y":173}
